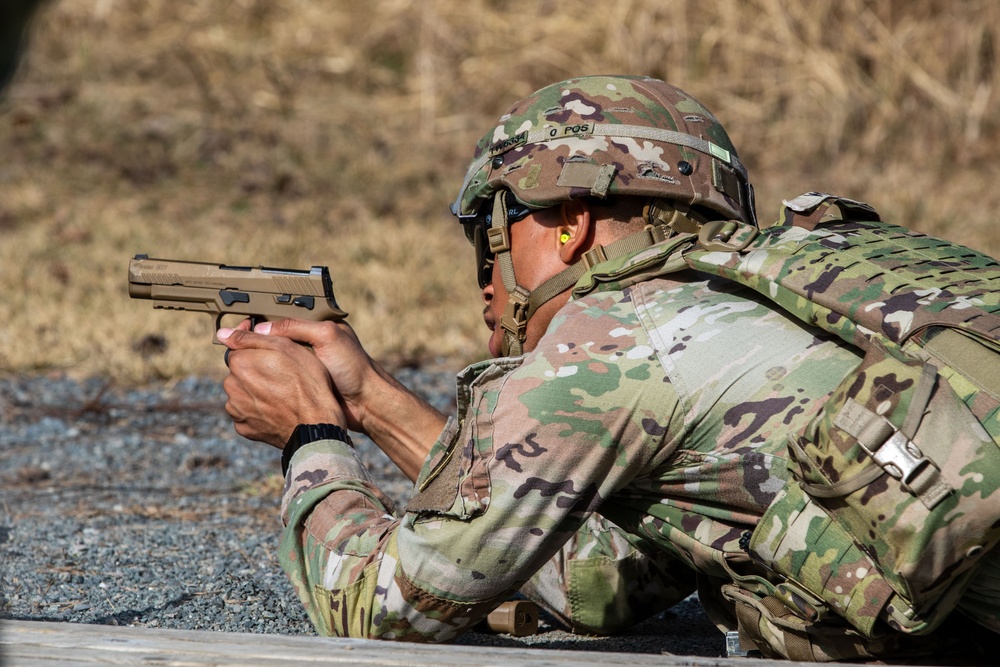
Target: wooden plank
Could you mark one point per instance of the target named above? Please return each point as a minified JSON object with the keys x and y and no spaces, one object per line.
{"x":44,"y":644}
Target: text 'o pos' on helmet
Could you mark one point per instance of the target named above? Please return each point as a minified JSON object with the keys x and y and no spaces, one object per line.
{"x":601,"y":136}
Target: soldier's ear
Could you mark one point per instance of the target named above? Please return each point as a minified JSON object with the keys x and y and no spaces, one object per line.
{"x":573,"y":235}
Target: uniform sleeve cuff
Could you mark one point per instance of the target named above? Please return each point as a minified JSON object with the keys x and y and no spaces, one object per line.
{"x":321,"y":462}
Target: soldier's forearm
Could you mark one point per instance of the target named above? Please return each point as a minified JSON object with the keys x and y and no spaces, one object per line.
{"x":402,"y":424}
{"x":340,"y":550}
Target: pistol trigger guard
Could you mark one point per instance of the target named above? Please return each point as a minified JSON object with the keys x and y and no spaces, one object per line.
{"x":254,"y":321}
{"x":215,"y":337}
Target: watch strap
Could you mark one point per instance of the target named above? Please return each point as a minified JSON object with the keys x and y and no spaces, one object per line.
{"x":306,"y":433}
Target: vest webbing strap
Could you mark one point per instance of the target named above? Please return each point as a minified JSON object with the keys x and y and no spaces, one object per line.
{"x":893,"y":451}
{"x":797,"y":645}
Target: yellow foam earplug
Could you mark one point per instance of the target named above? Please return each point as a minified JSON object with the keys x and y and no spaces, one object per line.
{"x":564,"y":238}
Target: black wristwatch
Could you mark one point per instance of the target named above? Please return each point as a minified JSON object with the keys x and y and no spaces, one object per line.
{"x":306,"y":433}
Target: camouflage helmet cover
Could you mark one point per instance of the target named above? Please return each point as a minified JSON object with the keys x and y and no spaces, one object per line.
{"x":609,"y":135}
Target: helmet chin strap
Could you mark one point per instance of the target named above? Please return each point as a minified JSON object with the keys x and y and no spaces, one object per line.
{"x":514,"y":320}
{"x":663,"y":222}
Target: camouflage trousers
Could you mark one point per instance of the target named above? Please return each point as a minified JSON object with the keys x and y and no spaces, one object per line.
{"x":604,"y":581}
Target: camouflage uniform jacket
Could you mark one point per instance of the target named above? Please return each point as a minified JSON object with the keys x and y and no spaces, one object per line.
{"x":663,"y":403}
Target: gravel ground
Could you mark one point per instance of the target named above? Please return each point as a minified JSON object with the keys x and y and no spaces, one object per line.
{"x":142,"y":507}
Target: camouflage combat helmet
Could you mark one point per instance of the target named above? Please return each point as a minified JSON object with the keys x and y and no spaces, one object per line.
{"x":597,"y":136}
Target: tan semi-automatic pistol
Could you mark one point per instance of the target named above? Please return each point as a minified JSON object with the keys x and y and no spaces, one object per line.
{"x":256,"y":292}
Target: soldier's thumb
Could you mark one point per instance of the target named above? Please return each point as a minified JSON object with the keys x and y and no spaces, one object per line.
{"x":314,"y":334}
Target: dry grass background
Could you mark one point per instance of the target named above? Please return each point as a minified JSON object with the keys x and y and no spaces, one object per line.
{"x":291,"y":133}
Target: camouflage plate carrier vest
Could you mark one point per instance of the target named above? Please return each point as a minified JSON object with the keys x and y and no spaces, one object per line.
{"x":898,"y":493}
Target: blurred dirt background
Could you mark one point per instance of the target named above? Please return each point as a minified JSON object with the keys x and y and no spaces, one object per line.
{"x":292,"y":133}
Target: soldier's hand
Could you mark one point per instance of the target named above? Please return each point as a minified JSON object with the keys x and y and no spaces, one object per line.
{"x":335,"y":345}
{"x":402,"y":424}
{"x":275,"y":384}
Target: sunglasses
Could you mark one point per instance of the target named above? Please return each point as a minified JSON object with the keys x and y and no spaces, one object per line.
{"x":476,"y":226}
